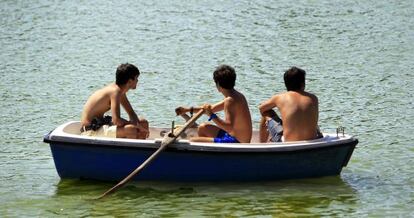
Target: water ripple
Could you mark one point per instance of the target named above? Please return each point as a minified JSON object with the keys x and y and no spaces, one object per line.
{"x":358,"y":57}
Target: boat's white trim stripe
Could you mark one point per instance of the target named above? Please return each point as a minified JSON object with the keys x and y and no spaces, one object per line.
{"x":58,"y":135}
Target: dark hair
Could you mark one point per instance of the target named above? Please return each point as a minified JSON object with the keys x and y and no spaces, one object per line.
{"x":125,"y":72}
{"x":225,"y":76}
{"x":294,"y":79}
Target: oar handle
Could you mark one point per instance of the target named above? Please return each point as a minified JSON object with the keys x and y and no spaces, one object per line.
{"x":189,"y":122}
{"x":170,"y":138}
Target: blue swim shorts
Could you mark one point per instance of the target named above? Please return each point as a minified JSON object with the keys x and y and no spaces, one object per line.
{"x":275,"y":130}
{"x":224,"y":137}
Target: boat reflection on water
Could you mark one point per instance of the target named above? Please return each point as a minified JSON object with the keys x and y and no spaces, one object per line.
{"x":325,"y":195}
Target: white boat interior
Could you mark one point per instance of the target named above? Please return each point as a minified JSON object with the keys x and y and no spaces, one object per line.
{"x":70,"y":133}
{"x":159,"y":133}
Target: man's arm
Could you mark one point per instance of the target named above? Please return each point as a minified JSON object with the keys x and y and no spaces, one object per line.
{"x":215,"y":108}
{"x":268,"y":105}
{"x":133,"y":118}
{"x":116,"y":110}
{"x":130,"y":111}
{"x":227,"y":123}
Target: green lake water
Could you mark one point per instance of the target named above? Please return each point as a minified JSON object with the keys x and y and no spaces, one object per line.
{"x":359,"y":58}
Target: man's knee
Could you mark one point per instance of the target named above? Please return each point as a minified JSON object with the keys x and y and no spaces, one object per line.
{"x":263,"y":119}
{"x":263,"y":122}
{"x":131,"y":128}
{"x":271,"y":115}
{"x":130,"y":131}
{"x":143,"y":122}
{"x":202,"y":129}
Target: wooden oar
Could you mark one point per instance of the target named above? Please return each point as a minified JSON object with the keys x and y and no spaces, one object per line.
{"x":187,"y":118}
{"x":168,"y":139}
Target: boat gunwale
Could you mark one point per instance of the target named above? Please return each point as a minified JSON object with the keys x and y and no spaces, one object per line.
{"x":61,"y":137}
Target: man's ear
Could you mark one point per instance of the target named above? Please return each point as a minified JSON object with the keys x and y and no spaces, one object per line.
{"x":218,"y":86}
{"x":129,"y":81}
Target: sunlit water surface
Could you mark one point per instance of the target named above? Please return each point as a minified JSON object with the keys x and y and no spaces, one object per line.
{"x":359,"y":60}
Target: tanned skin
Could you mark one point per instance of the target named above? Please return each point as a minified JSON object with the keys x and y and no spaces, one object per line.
{"x":237,"y":120}
{"x":111,"y":97}
{"x":299,"y":111}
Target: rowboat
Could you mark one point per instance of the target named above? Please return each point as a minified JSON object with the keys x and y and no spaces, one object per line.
{"x":111,"y":159}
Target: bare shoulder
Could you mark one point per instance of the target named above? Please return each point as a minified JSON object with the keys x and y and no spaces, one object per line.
{"x":229,"y":100}
{"x":277,"y":97}
{"x":105,"y":94}
{"x":112,"y":90}
{"x":312,"y":96}
{"x":236,"y":98}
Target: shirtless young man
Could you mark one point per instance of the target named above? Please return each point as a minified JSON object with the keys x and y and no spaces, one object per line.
{"x":111,"y":97}
{"x":237,"y":124}
{"x":299,"y":111}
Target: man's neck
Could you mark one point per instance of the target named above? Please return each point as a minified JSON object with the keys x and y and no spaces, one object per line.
{"x":300,"y":91}
{"x":124,"y":88}
{"x":228,"y":92}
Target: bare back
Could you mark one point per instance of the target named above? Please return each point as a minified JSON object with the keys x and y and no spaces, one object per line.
{"x":237,"y":110}
{"x":299,"y":111}
{"x":98,"y":103}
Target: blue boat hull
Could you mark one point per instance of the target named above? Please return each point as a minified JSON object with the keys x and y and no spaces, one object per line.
{"x":113,"y":163}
